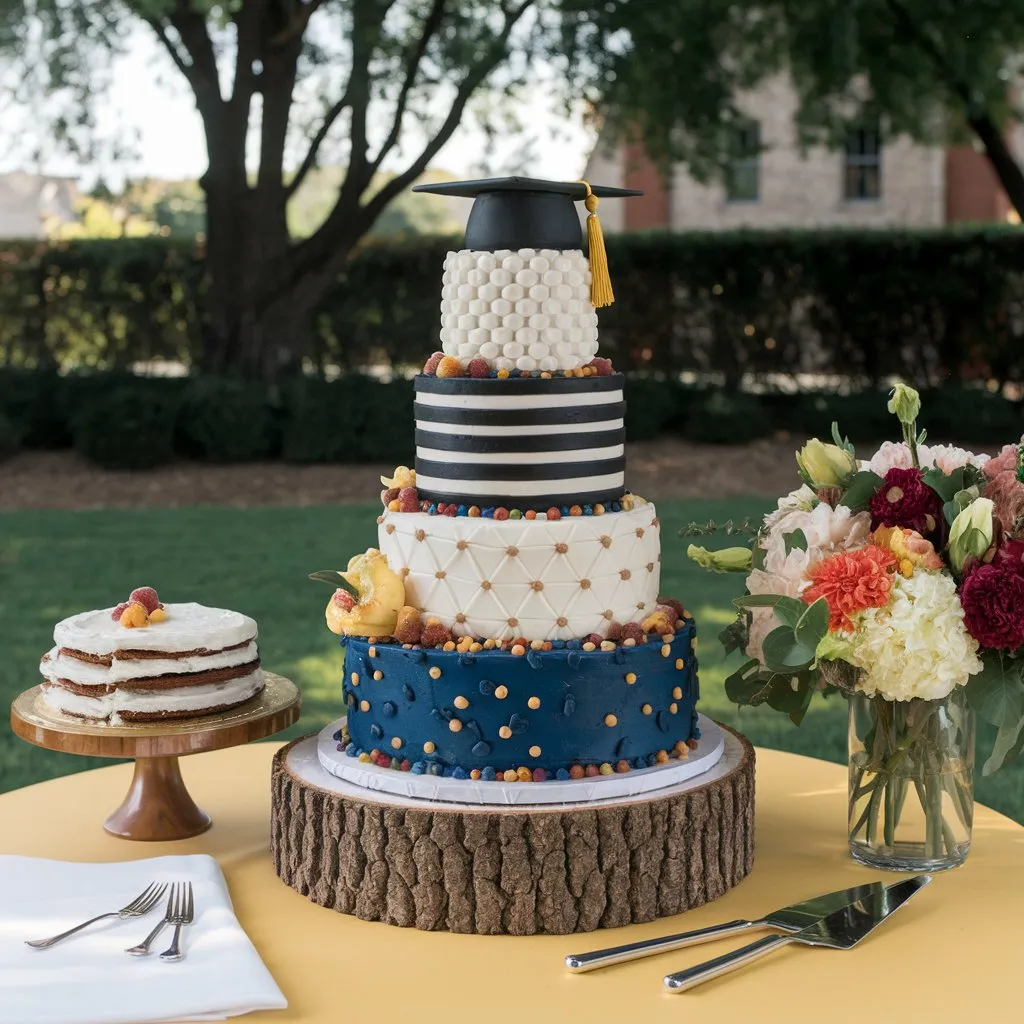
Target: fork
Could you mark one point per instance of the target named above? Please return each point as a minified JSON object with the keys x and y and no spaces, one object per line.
{"x":142,"y":949}
{"x":140,"y":906}
{"x":179,"y":914}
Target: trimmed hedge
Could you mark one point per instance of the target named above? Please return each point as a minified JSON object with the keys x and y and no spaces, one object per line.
{"x":126,"y":422}
{"x":10,"y":436}
{"x":863,"y":305}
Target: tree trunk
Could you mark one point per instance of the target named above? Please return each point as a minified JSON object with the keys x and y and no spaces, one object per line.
{"x":1003,"y":162}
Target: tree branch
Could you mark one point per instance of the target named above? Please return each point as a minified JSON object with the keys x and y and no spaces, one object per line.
{"x":309,"y":160}
{"x":297,"y":28}
{"x":172,"y":49}
{"x":431,"y":24}
{"x":205,"y":82}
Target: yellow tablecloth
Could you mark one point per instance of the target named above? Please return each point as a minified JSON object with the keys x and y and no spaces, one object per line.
{"x":953,"y":954}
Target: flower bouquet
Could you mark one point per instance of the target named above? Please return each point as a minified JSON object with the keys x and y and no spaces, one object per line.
{"x":898,"y":582}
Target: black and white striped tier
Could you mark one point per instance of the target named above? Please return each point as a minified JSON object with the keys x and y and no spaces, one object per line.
{"x":526,"y":443}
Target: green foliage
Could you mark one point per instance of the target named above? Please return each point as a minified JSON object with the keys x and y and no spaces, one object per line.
{"x":131,"y":427}
{"x":10,"y":436}
{"x":653,"y":407}
{"x":948,"y":411}
{"x":31,"y":401}
{"x":223,"y":419}
{"x":723,"y":417}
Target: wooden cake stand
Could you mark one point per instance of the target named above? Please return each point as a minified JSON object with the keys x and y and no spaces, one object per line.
{"x":158,"y":806}
{"x":514,"y":869}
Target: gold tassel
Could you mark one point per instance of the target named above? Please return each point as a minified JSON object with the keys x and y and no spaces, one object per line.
{"x":601,"y":293}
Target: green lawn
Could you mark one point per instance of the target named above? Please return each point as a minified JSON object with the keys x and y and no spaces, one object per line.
{"x":53,"y":564}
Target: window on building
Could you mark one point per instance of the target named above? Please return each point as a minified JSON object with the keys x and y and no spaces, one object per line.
{"x":742,"y":183}
{"x":862,"y":164}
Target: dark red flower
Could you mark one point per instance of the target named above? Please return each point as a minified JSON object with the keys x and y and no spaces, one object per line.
{"x":993,"y":600}
{"x":1010,"y":555}
{"x":904,"y":499}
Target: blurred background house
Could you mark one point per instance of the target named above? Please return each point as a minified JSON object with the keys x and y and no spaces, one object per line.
{"x":33,"y":205}
{"x":873,"y":181}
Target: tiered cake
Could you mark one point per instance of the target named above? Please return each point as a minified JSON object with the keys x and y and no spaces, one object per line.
{"x":510,"y":626}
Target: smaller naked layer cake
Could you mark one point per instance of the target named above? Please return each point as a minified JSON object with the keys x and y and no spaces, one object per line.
{"x":145,"y":661}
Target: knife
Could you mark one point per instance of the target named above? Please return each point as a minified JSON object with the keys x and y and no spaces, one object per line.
{"x":842,"y":929}
{"x":788,"y":919}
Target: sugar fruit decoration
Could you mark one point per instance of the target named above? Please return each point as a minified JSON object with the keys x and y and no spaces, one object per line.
{"x":400,"y":494}
{"x":143,"y":608}
{"x":379,"y":596}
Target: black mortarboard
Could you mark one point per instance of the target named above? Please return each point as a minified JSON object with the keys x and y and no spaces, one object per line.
{"x":523,"y":213}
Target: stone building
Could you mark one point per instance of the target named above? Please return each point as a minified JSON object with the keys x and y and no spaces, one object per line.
{"x":871,"y":182}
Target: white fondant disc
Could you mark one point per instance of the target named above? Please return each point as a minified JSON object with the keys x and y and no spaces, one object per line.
{"x":362,"y":778}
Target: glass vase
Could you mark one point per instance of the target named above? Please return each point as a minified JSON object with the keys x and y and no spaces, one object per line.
{"x":911,"y":782}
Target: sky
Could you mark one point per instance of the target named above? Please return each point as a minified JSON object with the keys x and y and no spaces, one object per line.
{"x":147,"y":96}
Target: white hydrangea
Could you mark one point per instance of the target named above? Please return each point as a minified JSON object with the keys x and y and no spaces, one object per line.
{"x":916,"y":646}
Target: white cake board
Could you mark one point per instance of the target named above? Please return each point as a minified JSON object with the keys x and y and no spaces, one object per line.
{"x":363,"y":779}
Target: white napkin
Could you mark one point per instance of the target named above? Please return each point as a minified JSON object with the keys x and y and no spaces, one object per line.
{"x":89,"y":979}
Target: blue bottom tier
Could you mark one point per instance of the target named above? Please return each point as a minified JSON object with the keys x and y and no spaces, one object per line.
{"x":493,"y":711}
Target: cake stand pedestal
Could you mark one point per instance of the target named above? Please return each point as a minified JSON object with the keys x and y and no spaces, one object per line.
{"x":516,"y":869}
{"x":157,"y":806}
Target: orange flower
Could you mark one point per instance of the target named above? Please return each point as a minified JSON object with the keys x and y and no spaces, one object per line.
{"x":851,"y":582}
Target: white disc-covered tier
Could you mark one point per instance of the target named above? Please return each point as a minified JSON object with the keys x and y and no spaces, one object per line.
{"x":406,"y":788}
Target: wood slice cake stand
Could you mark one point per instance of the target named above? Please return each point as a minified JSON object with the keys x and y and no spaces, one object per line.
{"x":516,"y":870}
{"x":158,"y":806}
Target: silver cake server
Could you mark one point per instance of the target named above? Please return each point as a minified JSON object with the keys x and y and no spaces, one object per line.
{"x":788,"y":919}
{"x":842,"y":929}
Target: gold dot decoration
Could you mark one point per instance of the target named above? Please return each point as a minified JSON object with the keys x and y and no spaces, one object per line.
{"x":624,"y":574}
{"x":511,"y":551}
{"x":561,"y":621}
{"x":641,"y":605}
{"x":631,"y":678}
{"x":461,"y":545}
{"x":421,"y":535}
{"x":611,"y":721}
{"x":459,"y":617}
{"x":513,"y":621}
{"x":647,"y":709}
{"x":461,"y":703}
{"x":355,"y":678}
{"x":584,"y":584}
{"x":606,"y":541}
{"x":501,"y":692}
{"x":677,"y":692}
{"x":405,"y":571}
{"x":455,"y":725}
{"x":505,"y":732}
{"x":440,"y":574}
{"x":429,"y":747}
{"x":536,"y":585}
{"x":640,"y":531}
{"x":434,"y":672}
{"x":364,"y":705}
{"x":380,"y":519}
{"x":533,"y":702}
{"x":673,"y":707}
{"x":390,"y":528}
{"x":608,"y":614}
{"x":656,"y":522}
{"x":396,"y":743}
{"x":535,"y":751}
{"x":372,"y":652}
{"x":650,"y":567}
{"x":485,"y":584}
{"x":378,"y":675}
{"x":561,"y":547}
{"x":680,"y":663}
{"x":666,"y":650}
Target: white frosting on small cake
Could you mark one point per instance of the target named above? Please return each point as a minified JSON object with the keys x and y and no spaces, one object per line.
{"x":523,"y":310}
{"x":56,"y":666}
{"x":183,"y":701}
{"x":188,"y":627}
{"x":539,"y":579}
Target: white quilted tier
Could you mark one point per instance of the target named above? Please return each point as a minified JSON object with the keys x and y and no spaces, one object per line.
{"x":527,"y":310}
{"x":539,"y":579}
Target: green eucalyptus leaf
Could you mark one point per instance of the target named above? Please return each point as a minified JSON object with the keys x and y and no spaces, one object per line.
{"x":787,"y":609}
{"x":1007,"y":746}
{"x":747,"y":686}
{"x":812,"y":626}
{"x":784,"y":653}
{"x":789,"y":693}
{"x":861,"y":489}
{"x":735,"y":636}
{"x":997,"y":692}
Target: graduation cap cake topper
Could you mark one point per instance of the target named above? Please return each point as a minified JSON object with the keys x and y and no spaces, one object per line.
{"x":530,"y":213}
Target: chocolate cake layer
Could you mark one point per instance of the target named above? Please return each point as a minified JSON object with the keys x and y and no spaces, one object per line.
{"x":133,"y":655}
{"x":166,"y":682}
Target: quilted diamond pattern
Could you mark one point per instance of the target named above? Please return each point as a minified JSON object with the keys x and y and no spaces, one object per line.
{"x":539,"y":579}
